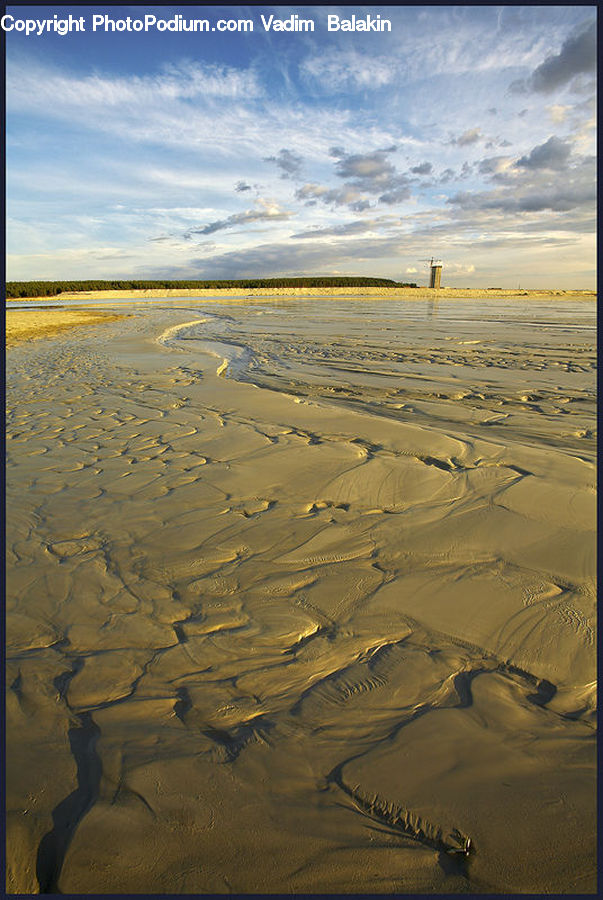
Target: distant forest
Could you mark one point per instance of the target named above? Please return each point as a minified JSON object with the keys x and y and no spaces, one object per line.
{"x":15,"y":289}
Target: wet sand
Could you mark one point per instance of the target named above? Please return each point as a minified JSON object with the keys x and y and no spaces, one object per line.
{"x":302,"y":599}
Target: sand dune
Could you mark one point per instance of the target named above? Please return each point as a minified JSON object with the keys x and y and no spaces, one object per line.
{"x":303,"y":601}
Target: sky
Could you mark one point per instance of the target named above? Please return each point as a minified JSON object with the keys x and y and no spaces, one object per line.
{"x":466,"y":133}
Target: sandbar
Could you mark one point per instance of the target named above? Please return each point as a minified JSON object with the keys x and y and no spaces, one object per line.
{"x":26,"y":325}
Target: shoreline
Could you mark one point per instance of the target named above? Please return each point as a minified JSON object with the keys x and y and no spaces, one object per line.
{"x":24,"y":324}
{"x":420,"y":293}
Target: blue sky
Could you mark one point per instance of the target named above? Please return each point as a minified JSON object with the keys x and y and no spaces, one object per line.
{"x":466,"y":133}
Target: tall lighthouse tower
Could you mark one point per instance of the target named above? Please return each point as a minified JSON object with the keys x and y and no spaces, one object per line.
{"x":435,"y":272}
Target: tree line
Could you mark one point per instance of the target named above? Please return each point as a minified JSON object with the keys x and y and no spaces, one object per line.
{"x":16,"y":289}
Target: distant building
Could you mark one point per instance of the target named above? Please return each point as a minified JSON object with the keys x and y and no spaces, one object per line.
{"x":436,"y":276}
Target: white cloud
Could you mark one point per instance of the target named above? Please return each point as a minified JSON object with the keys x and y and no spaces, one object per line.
{"x":32,"y":87}
{"x":470,"y":136}
{"x":348,"y":70}
{"x":558,"y":112}
{"x":173,"y":109}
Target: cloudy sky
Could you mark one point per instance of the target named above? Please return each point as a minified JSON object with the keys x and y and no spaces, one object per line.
{"x":465,"y":133}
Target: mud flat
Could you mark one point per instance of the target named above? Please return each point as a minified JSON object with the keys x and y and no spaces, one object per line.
{"x":302,"y":599}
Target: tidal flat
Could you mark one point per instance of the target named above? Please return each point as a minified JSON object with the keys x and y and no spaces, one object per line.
{"x":301,"y":599}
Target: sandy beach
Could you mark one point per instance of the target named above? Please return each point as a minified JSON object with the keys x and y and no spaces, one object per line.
{"x":301,"y":596}
{"x":401,"y":293}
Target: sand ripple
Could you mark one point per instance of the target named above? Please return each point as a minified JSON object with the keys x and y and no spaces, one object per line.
{"x":265,"y":629}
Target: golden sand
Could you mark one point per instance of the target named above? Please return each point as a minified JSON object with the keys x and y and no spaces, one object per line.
{"x":26,"y":325}
{"x":303,"y":601}
{"x":419,"y":293}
